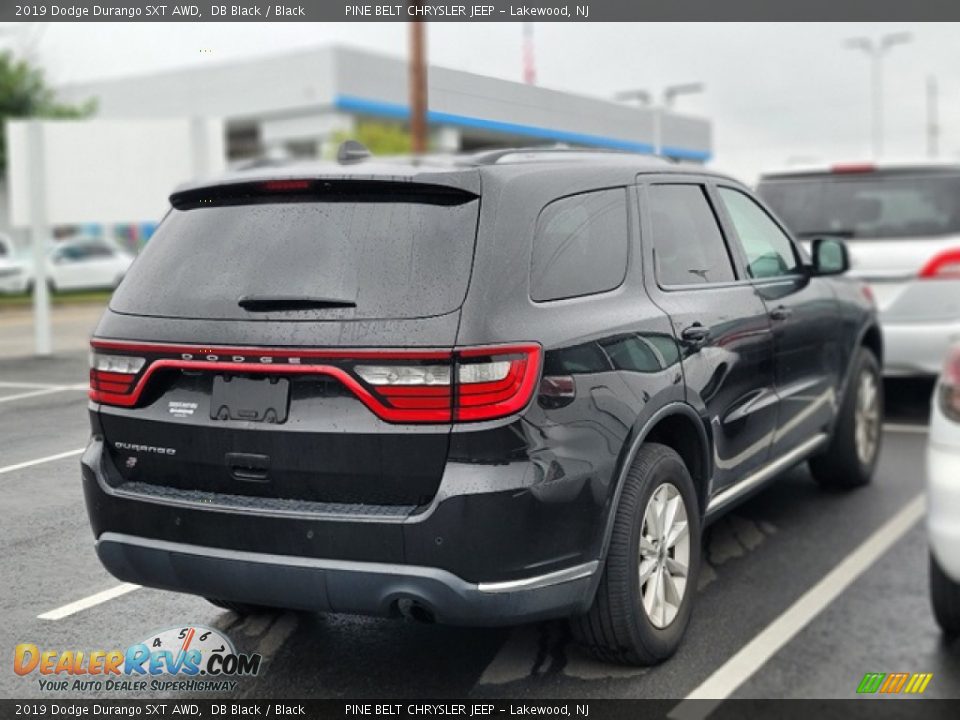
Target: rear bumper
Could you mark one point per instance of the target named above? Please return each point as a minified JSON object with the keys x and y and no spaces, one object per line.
{"x":507,"y":555}
{"x":342,"y":586}
{"x":917,"y":348}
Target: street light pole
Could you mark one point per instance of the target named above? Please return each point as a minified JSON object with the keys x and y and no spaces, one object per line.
{"x":669,"y":94}
{"x":876,"y":50}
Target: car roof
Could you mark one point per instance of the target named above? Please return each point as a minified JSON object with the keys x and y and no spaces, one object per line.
{"x":888,"y":167}
{"x":459,"y":171}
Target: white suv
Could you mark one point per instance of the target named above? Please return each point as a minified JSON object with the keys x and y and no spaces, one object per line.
{"x":902,"y":226}
{"x":943,"y":478}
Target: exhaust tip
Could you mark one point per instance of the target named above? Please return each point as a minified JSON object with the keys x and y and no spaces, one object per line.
{"x":414,"y":610}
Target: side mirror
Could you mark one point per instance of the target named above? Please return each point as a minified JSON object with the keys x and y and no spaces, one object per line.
{"x":830,"y":256}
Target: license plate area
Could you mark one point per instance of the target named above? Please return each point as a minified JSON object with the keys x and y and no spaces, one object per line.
{"x":251,"y":399}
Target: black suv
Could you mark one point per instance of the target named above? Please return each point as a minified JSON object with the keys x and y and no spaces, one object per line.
{"x":481,"y":391}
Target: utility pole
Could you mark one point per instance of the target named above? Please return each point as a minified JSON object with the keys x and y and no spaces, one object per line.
{"x":418,"y":88}
{"x":933,"y":121}
{"x":876,"y":50}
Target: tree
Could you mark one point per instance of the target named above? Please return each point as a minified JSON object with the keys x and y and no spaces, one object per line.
{"x":25,"y":94}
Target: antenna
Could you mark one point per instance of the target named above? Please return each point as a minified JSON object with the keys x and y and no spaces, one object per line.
{"x":351,"y":151}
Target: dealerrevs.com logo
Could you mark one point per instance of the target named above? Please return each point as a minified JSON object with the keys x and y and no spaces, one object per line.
{"x":184,"y":659}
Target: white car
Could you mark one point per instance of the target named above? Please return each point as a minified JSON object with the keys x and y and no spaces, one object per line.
{"x":943,"y":496}
{"x":901,"y":223}
{"x":83,"y":264}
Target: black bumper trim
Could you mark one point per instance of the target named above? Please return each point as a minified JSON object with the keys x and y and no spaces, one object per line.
{"x":333,"y":585}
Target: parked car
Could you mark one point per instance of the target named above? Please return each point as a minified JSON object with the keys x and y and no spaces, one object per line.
{"x":943,"y":495}
{"x":9,"y":267}
{"x":505,"y":389}
{"x":902,"y":223}
{"x":81,"y":264}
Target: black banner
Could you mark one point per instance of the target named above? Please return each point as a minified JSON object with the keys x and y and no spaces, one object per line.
{"x":475,"y":11}
{"x":876,"y":709}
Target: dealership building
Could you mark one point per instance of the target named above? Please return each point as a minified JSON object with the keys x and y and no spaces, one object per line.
{"x":301,"y":103}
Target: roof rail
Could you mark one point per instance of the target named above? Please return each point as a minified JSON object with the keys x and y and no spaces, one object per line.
{"x":492,"y":157}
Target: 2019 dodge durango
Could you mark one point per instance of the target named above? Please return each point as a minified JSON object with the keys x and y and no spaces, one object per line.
{"x":507,"y":388}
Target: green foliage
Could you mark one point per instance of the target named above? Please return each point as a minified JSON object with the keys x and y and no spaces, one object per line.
{"x":24,"y":94}
{"x":380,"y":138}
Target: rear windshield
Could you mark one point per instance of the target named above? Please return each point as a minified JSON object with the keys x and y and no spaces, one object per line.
{"x":367,"y":256}
{"x":867,"y":206}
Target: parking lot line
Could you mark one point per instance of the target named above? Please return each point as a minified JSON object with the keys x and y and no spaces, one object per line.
{"x":905,"y":428}
{"x":33,"y":393}
{"x":39,"y":461}
{"x":752,"y":656}
{"x":88,"y":602}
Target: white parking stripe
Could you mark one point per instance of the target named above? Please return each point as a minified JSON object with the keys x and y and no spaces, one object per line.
{"x":28,"y":385}
{"x":40,"y":461}
{"x":31,"y":393}
{"x":752,"y":656}
{"x":904,"y":428}
{"x":88,"y":602}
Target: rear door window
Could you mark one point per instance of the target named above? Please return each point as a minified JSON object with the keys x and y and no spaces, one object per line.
{"x":580,"y":246}
{"x":372,"y":254}
{"x":688,"y":246}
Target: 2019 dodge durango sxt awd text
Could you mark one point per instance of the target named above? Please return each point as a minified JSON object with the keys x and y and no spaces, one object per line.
{"x":499,"y":389}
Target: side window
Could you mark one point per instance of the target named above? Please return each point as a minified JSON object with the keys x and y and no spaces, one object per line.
{"x":580,"y":246}
{"x":687,"y":241}
{"x":768,"y":250}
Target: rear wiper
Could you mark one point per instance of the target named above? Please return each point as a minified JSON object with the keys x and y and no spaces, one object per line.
{"x":279,"y":303}
{"x":827,"y":233}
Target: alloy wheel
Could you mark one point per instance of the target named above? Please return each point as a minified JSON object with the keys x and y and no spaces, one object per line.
{"x":664,"y":555}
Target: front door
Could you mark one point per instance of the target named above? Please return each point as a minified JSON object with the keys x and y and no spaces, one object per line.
{"x":719,"y":320}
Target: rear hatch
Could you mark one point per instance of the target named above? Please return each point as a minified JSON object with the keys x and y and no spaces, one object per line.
{"x":279,"y":419}
{"x":902,"y":226}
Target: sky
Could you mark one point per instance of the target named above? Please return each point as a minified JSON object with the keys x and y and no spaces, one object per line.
{"x":778,"y":94}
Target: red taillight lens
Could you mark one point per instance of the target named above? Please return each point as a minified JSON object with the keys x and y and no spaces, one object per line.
{"x":945,"y":266}
{"x":495,"y":382}
{"x":465,"y":385}
{"x":949,"y":388}
{"x":112,"y":377}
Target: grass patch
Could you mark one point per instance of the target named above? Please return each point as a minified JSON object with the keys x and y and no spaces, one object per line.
{"x":25,"y":300}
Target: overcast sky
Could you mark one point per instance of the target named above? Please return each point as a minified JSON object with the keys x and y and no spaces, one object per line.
{"x":776,"y":93}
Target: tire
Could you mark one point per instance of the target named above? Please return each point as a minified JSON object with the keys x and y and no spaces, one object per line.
{"x":846,"y":463}
{"x":945,"y":595}
{"x":241,"y":608}
{"x":618,"y":627}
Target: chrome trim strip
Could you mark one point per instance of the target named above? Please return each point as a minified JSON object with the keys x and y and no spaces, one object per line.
{"x":540,"y":581}
{"x":725,"y":497}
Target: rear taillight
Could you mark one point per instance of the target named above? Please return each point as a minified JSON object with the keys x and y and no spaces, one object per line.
{"x":949,"y":387}
{"x":465,"y":385}
{"x":945,"y":266}
{"x":112,"y":377}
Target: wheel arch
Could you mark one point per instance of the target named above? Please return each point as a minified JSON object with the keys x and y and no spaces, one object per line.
{"x":678,"y":426}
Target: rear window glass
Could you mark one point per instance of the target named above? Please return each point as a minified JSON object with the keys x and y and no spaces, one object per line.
{"x":371,"y":257}
{"x":867,"y":206}
{"x":580,"y":246}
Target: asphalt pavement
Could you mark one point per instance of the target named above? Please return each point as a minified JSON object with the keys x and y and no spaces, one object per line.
{"x":789,"y":547}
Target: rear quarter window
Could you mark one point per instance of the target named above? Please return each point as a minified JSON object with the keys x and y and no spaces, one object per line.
{"x":580,"y":246}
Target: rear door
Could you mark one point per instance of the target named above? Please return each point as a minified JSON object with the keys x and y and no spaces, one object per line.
{"x":803,"y":315}
{"x":306,"y":402}
{"x":719,"y":320}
